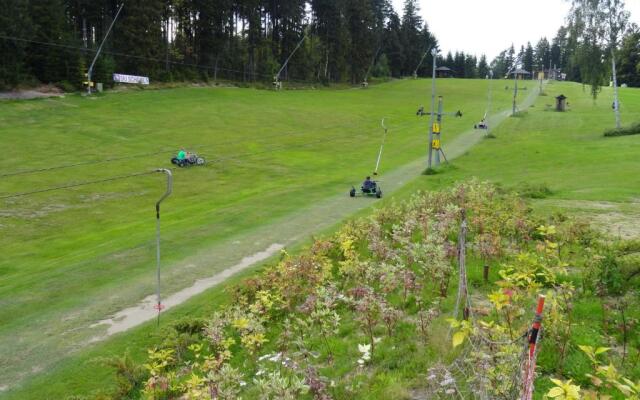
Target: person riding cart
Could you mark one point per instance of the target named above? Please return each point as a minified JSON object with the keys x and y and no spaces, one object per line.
{"x":368,"y":184}
{"x":185,"y":159}
{"x":368,"y":188}
{"x":180,"y":159}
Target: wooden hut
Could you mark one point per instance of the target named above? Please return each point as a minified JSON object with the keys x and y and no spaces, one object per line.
{"x":444,"y":72}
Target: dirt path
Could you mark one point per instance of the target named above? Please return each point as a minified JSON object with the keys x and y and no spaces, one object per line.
{"x":145,"y":311}
{"x":75,"y":330}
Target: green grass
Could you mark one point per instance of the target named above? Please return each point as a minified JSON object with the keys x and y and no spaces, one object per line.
{"x":564,"y":152}
{"x":72,"y":257}
{"x":61,"y":260}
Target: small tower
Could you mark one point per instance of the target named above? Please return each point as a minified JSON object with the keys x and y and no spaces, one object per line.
{"x":561,"y":103}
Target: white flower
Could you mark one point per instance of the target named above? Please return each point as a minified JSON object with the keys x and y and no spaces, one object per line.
{"x":243,"y":383}
{"x":364,"y":348}
{"x":446,"y":382}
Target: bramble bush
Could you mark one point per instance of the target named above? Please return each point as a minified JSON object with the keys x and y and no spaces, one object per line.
{"x":337,"y":319}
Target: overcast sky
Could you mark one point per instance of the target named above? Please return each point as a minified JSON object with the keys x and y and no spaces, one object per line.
{"x":490,"y":26}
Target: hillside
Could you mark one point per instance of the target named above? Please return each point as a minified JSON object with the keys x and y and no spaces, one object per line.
{"x":561,"y":157}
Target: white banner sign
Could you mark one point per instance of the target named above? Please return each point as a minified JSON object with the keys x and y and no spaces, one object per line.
{"x":121,"y":78}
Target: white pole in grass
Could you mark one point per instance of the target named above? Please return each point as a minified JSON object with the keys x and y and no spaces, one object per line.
{"x":90,"y":71}
{"x":384,"y":138}
{"x":616,"y":102}
{"x":488,"y":112}
{"x":164,"y":196}
{"x":415,"y":71}
{"x":434,"y":53}
{"x":515,"y":91}
{"x":276,"y":79}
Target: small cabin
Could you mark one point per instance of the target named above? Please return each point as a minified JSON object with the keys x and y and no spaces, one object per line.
{"x":561,"y":103}
{"x":521,"y":73}
{"x":444,"y":72}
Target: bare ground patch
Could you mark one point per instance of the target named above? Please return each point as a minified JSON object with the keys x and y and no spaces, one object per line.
{"x":617,"y":219}
{"x":37,"y":93}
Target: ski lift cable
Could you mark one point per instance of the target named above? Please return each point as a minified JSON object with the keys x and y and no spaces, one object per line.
{"x":75,"y":185}
{"x":284,"y":65}
{"x":373,"y":61}
{"x":415,"y":72}
{"x":157,"y":60}
{"x":166,"y":150}
{"x":243,"y":156}
{"x":514,"y":67}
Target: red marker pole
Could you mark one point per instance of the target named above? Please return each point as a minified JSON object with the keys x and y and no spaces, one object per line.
{"x":529,"y":369}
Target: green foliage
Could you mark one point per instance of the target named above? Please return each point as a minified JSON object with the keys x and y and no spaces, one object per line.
{"x":633,"y":129}
{"x":367,"y":283}
{"x":534,"y":191}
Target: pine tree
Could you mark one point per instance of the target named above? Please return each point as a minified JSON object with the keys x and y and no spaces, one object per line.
{"x":629,"y":55}
{"x":14,"y":22}
{"x":527,"y":58}
{"x":483,"y":67}
{"x":542,"y":54}
{"x":392,"y":45}
{"x":411,"y":40}
{"x":138,"y":32}
{"x":362,"y":47}
{"x":48,"y":63}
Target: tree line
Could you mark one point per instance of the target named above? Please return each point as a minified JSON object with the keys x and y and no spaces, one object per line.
{"x":597,"y":32}
{"x":54,"y":41}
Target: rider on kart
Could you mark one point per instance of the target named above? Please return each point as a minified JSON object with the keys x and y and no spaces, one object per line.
{"x":180,"y":159}
{"x":368,"y":184}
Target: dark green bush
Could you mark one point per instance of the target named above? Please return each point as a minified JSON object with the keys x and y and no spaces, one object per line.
{"x":534,"y":191}
{"x":633,"y":129}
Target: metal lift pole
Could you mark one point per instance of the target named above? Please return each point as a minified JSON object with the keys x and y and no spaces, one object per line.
{"x":164,"y":196}
{"x":434,"y":53}
{"x":90,"y":71}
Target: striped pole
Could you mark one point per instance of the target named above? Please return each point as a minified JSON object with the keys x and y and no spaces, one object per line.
{"x":529,"y":367}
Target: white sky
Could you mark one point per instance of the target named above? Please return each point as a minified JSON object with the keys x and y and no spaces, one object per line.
{"x":489,"y":26}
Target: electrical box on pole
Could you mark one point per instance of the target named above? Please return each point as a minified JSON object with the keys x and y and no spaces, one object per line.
{"x":435,"y":131}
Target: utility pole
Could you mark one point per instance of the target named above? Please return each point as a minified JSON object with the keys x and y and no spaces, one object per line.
{"x":515,"y":91}
{"x":489,"y":100}
{"x":434,"y":54}
{"x":436,"y":132}
{"x":166,"y":194}
{"x":514,"y":70}
{"x":90,"y":71}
